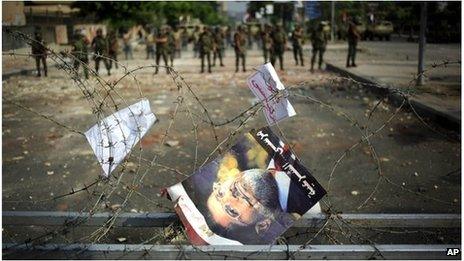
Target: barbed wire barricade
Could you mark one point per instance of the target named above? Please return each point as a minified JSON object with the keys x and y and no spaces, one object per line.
{"x":191,"y":113}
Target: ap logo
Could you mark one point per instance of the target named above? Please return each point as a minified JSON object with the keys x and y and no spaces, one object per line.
{"x":453,"y":251}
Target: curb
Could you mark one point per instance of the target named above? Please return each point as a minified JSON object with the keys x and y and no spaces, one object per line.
{"x":445,"y":120}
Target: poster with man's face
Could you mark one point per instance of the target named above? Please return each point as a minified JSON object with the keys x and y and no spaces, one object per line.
{"x":250,"y":195}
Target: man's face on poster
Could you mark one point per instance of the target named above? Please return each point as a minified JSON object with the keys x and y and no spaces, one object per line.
{"x":231,"y":203}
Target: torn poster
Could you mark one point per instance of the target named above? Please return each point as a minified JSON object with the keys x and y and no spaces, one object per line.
{"x":250,"y":195}
{"x":264,"y":84}
{"x":113,"y":138}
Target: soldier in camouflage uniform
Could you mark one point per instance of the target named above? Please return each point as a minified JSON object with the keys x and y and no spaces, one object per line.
{"x":162,"y":48}
{"x":171,"y":45}
{"x":297,"y":43}
{"x":266,"y":42}
{"x":195,"y":39}
{"x":240,"y":45}
{"x":150,"y":45}
{"x":113,"y":49}
{"x":100,"y":47}
{"x":279,"y":40}
{"x":39,"y":51}
{"x":319,"y":42}
{"x":206,"y":43}
{"x":218,"y":46}
{"x":353,"y":38}
{"x":80,"y":53}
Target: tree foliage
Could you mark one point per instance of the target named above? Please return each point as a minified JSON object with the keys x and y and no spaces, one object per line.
{"x":125,"y":14}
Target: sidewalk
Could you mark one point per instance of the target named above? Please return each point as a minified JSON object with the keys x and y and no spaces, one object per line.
{"x":394,"y":65}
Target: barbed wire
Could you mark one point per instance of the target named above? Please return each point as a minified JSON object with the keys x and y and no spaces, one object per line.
{"x":104,"y":98}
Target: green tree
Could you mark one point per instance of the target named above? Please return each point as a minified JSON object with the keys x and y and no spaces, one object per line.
{"x":125,"y":14}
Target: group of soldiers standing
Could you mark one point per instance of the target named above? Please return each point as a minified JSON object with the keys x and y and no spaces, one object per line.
{"x":273,"y":43}
{"x":209,"y":44}
{"x":105,"y":50}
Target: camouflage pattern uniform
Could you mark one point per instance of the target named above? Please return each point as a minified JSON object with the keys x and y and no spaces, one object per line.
{"x":100,"y":47}
{"x":266,"y":40}
{"x":162,"y":49}
{"x":240,"y":45}
{"x":113,"y":49}
{"x":171,"y":45}
{"x":353,"y":38}
{"x":297,"y":42}
{"x":39,"y":51}
{"x":206,"y":43}
{"x":279,"y":40}
{"x":80,"y":53}
{"x":319,"y":40}
{"x":150,"y":46}
{"x":218,"y":46}
{"x":196,"y":43}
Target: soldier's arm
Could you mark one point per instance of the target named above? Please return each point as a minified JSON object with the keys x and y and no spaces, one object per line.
{"x":163,"y":39}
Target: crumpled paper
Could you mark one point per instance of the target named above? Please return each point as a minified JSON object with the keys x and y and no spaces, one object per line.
{"x":264,"y":84}
{"x":114,"y":137}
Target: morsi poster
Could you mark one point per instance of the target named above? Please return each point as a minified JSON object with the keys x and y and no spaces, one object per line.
{"x":250,"y":195}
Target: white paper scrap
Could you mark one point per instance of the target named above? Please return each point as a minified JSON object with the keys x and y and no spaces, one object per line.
{"x":114,"y":137}
{"x":264,"y":84}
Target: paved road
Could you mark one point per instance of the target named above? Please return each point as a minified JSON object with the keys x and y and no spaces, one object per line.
{"x":394,"y":64}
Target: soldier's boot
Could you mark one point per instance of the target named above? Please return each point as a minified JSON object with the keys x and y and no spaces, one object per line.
{"x":208,"y":57}
{"x":44,"y":63}
{"x":220,"y":61}
{"x":202,"y":65}
{"x":236,"y":64}
{"x":97,"y":66}
{"x":37,"y":66}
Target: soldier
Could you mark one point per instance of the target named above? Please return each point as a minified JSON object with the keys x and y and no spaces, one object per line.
{"x":279,"y":40}
{"x":218,"y":46}
{"x":240,"y":45}
{"x":127,"y":40}
{"x":100,"y":47}
{"x":80,"y":53}
{"x":113,"y":49}
{"x":229,"y":37}
{"x":319,"y":42}
{"x":150,"y":48}
{"x":266,"y":42}
{"x":297,"y":43}
{"x":206,"y":43}
{"x":171,"y":44}
{"x":185,"y":38}
{"x":39,"y":51}
{"x":353,"y":38}
{"x":162,"y":49}
{"x":177,"y":42}
{"x":195,"y":39}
